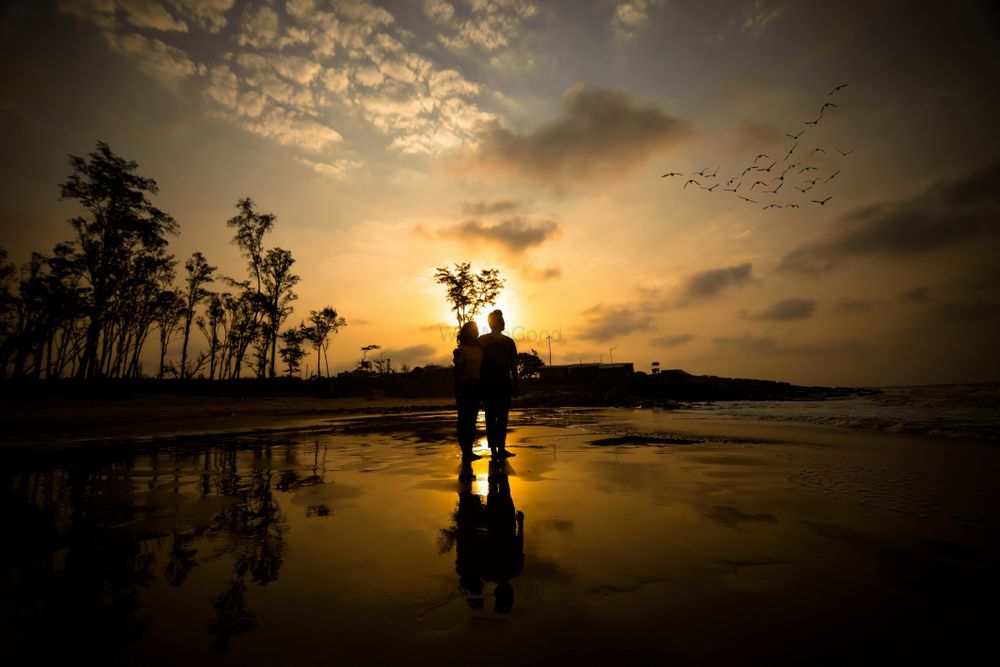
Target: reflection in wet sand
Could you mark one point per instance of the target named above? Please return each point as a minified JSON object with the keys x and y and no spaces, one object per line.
{"x":360,"y":545}
{"x":487,"y":536}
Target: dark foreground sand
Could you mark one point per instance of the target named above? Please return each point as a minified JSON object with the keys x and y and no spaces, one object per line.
{"x":648,"y":538}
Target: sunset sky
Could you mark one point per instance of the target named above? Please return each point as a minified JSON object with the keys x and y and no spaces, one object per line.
{"x":392,"y":138}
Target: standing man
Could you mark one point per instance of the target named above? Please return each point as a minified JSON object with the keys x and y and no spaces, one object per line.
{"x":498,"y":382}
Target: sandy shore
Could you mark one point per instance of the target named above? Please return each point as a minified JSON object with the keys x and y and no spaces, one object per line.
{"x":644,"y":536}
{"x":62,"y":422}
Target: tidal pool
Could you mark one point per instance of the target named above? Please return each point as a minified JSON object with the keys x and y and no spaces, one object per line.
{"x":369,"y":542}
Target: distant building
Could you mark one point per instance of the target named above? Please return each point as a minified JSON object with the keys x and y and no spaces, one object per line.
{"x":584,"y":372}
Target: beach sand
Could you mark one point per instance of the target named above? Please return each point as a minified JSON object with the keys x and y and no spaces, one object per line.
{"x":648,"y":536}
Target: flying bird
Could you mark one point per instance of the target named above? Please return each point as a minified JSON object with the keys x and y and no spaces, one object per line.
{"x":750,"y":168}
{"x":709,"y":189}
{"x":816,"y":150}
{"x":840,"y":87}
{"x":843,"y":153}
{"x":831,"y":176}
{"x":756,"y":183}
{"x":805,"y":169}
{"x":822,"y":202}
{"x":830,"y":105}
{"x":803,"y":190}
{"x":812,"y":182}
{"x":791,"y":150}
{"x":672,"y":173}
{"x":787,"y":169}
{"x":814,"y":122}
{"x":769,"y":168}
{"x":690,"y":182}
{"x":795,"y":136}
{"x":775,"y":191}
{"x":771,"y":206}
{"x":759,"y":157}
{"x":791,"y":206}
{"x":747,"y":199}
{"x":712,"y":175}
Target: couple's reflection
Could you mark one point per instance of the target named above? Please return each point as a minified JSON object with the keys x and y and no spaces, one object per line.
{"x":488,"y":536}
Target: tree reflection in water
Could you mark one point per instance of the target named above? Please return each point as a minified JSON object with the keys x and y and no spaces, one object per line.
{"x":488,"y":537}
{"x":84,"y":534}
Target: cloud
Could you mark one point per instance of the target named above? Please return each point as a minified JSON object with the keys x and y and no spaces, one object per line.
{"x":631,"y":16}
{"x":708,"y":284}
{"x":849,"y":305}
{"x":604,"y":323}
{"x":439,"y":11}
{"x":767,"y":345}
{"x":259,"y":28}
{"x":484,"y":207}
{"x":166,"y":64}
{"x":541,"y":273}
{"x":758,"y":15}
{"x":915,"y":295}
{"x":675,"y":340}
{"x":409,"y":355}
{"x":336,"y":170}
{"x":293,"y":129}
{"x":787,"y":309}
{"x":209,"y":15}
{"x":151,"y":15}
{"x":948,"y":213}
{"x":601,"y":134}
{"x":515,"y":234}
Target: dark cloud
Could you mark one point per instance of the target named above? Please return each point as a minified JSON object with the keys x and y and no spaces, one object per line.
{"x":948,"y":213}
{"x":601,"y":134}
{"x":542,"y":273}
{"x":915,"y":295}
{"x":710,"y":283}
{"x":767,"y":345}
{"x":409,"y":355}
{"x":516,"y":234}
{"x":480,"y":208}
{"x":848,"y":305}
{"x":787,"y":309}
{"x":604,"y":323}
{"x":675,"y":340}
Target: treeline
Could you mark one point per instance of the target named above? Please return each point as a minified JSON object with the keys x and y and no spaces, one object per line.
{"x":91,"y":308}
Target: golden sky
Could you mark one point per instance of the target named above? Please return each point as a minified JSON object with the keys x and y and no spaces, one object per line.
{"x":393,"y":138}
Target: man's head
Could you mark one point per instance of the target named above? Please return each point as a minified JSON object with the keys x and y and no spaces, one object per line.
{"x":496,"y":322}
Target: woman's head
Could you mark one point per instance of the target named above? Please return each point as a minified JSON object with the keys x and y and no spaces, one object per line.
{"x":468,"y":334}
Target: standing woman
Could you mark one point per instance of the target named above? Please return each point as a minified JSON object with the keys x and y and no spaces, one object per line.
{"x":468,"y":359}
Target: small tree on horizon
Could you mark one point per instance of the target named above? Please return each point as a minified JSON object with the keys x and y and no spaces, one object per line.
{"x":468,"y":292}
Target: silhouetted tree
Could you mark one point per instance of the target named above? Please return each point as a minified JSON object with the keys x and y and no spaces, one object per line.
{"x":468,"y":292}
{"x":199,"y":272}
{"x":321,"y":324}
{"x":278,"y":281}
{"x":169,"y":313}
{"x":120,"y":223}
{"x":528,"y":364}
{"x":213,"y":327}
{"x":292,"y":352}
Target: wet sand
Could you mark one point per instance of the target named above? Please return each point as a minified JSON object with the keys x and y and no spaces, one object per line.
{"x":647,"y":537}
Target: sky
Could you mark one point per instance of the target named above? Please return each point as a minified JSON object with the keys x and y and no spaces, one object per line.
{"x":393,"y":138}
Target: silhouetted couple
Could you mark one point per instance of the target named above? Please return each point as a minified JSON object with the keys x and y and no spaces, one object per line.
{"x":485,"y":372}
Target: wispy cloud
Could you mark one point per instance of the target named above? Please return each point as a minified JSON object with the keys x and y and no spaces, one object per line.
{"x":515,"y":234}
{"x":711,"y":283}
{"x":631,"y":16}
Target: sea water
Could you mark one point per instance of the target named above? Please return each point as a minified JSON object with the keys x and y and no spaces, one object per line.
{"x":960,"y":411}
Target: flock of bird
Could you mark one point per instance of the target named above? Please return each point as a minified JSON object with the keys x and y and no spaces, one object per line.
{"x":772,"y":177}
